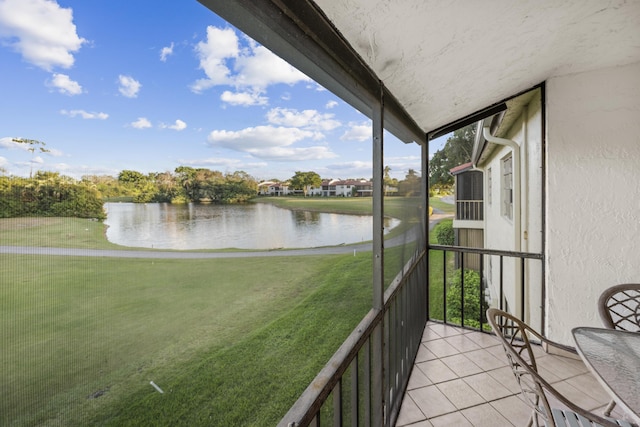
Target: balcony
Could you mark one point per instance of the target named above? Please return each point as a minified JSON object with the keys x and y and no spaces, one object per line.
{"x":401,"y":367}
{"x":461,"y":378}
{"x":469,"y":210}
{"x":558,"y":146}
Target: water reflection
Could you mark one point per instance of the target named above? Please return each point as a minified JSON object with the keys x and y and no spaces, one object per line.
{"x":306,"y":218}
{"x":250,"y":226}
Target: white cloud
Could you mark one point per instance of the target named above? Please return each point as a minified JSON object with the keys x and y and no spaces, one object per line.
{"x":351,"y":169}
{"x":402,"y":159}
{"x":254,"y":67}
{"x":165,"y":52}
{"x":178,"y":125}
{"x":221,"y":44}
{"x":243,"y":98}
{"x":257,"y":137}
{"x":401,"y":164}
{"x":201,"y":85}
{"x":141,"y":123}
{"x":349,"y":166}
{"x":258,"y":67}
{"x":3,"y":162}
{"x":331,"y":104}
{"x":269,"y":142}
{"x":65,"y":85}
{"x":129,"y":86}
{"x":8,"y":143}
{"x":308,"y":119}
{"x":294,"y":154}
{"x":41,"y":31}
{"x":54,"y":153}
{"x":357,"y":132}
{"x":37,"y":160}
{"x":84,"y":114}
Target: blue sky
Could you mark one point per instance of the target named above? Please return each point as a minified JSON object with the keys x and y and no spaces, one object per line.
{"x":150,"y":86}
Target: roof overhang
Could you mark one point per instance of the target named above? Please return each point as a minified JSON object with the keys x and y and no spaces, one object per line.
{"x":499,"y":124}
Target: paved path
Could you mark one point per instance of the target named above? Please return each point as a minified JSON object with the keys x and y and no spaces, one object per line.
{"x":31,"y":250}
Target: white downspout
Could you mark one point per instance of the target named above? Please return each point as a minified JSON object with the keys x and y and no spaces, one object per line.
{"x":517,"y":202}
{"x":525,"y":208}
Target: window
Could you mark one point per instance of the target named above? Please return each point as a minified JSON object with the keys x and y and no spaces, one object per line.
{"x":507,"y":187}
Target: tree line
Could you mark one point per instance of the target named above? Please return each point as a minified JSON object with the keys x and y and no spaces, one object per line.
{"x":52,"y":194}
{"x":48,"y":194}
{"x":184,"y":185}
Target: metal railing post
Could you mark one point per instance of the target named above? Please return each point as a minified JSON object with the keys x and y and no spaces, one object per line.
{"x":378,"y":359}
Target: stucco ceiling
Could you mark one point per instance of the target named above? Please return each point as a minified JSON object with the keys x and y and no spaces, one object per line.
{"x":444,"y":60}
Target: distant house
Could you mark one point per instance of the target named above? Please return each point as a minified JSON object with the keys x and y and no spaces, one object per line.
{"x":354,"y":188}
{"x":342,"y":188}
{"x":319,"y":190}
{"x":328,"y":188}
{"x":263,"y":188}
{"x":269,"y":188}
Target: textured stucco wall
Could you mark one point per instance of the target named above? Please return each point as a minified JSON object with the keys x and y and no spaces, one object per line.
{"x":593,"y":192}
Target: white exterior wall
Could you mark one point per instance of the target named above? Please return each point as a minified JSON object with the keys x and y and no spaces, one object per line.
{"x":344,"y":190}
{"x":500,"y":231}
{"x":315,"y":191}
{"x":593,"y":192}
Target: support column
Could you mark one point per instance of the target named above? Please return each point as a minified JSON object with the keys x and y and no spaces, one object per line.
{"x":378,"y":371}
{"x":424,"y":238}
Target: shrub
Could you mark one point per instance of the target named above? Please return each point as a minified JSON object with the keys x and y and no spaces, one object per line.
{"x":444,"y":233}
{"x":49,"y":194}
{"x":472,"y":309}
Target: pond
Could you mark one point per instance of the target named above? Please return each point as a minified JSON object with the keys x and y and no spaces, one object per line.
{"x":248,"y":226}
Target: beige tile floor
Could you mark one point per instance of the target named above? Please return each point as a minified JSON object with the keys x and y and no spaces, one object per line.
{"x":461,"y":378}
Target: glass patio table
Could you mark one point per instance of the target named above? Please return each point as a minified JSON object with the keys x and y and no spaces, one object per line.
{"x":614,"y":358}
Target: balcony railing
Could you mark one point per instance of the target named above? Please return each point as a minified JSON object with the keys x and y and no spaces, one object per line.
{"x":469,"y":210}
{"x":364,"y":382}
{"x":507,"y":282}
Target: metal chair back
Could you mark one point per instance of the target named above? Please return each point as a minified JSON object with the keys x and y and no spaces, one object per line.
{"x":516,"y":337}
{"x":619,"y":307}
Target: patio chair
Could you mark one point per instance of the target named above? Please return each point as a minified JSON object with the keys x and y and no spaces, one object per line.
{"x":619,"y":308}
{"x":515,"y":336}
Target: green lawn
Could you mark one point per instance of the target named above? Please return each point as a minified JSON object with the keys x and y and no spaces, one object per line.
{"x":82,"y":337}
{"x":437,"y":203}
{"x":230,"y":341}
{"x":436,"y":268}
{"x":55,"y":232}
